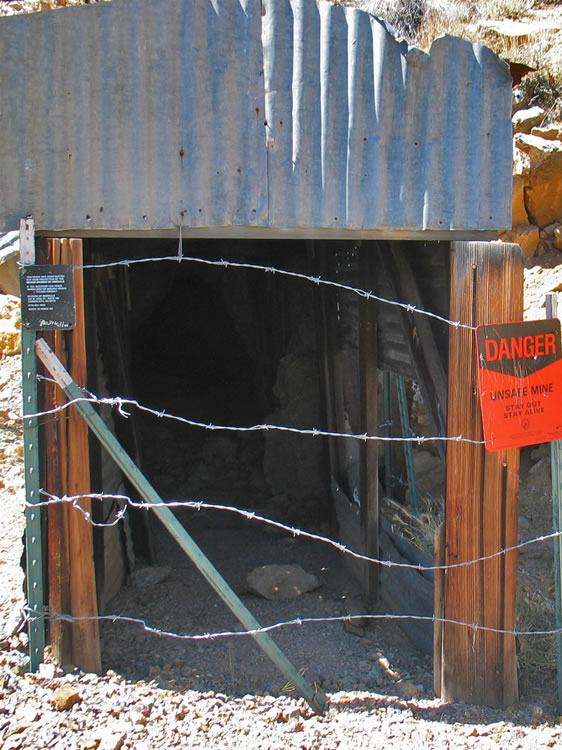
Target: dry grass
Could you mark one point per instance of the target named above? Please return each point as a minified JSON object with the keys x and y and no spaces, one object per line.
{"x":536,"y":654}
{"x":544,"y":90}
{"x":540,"y":48}
{"x":419,"y":531}
{"x":513,"y":9}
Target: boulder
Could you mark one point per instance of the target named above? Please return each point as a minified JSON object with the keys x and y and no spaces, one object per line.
{"x":10,"y":337}
{"x":539,"y":162}
{"x":548,"y":232}
{"x":526,"y":119}
{"x":552,"y":132}
{"x":354,"y":607}
{"x":150,"y":575}
{"x":280,"y":582}
{"x":557,"y":241}
{"x":524,"y":235}
{"x":519,"y":212}
{"x":9,"y":256}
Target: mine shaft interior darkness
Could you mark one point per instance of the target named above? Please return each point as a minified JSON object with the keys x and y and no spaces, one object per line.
{"x":224,"y":346}
{"x":235,"y":347}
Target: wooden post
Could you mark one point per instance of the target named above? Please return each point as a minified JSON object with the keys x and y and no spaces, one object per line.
{"x":326,"y":334}
{"x":479,"y":666}
{"x":556,"y":471}
{"x":438,"y":578}
{"x":72,"y":585}
{"x":369,"y":424}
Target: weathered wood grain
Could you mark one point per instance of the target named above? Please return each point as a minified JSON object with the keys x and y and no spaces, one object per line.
{"x":72,"y":585}
{"x":482,"y":491}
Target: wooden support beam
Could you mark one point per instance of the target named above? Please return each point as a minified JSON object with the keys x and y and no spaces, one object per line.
{"x":399,"y":283}
{"x":326,"y":330}
{"x":369,"y":493}
{"x":479,"y":666}
{"x":438,"y":578}
{"x":426,"y":356}
{"x":72,"y":587}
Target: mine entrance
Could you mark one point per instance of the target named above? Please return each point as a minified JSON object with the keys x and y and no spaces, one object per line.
{"x":235,"y":347}
{"x":220,"y":346}
{"x":214,"y":341}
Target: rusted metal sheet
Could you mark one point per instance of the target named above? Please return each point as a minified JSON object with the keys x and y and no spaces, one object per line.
{"x":247,"y":116}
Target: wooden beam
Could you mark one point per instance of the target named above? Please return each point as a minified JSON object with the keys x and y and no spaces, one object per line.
{"x":369,"y":493}
{"x":72,"y":587}
{"x":54,"y":451}
{"x":399,"y":284}
{"x":326,"y":326}
{"x":479,"y":666}
{"x":427,"y":358}
{"x":438,"y":578}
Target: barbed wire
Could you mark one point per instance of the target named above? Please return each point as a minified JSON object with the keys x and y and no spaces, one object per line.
{"x":49,"y":614}
{"x":318,"y":280}
{"x":250,"y":515}
{"x":74,"y":501}
{"x":120,"y":402}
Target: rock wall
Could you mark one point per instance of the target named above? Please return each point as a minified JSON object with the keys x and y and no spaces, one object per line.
{"x":537,"y":183}
{"x":10,"y":335}
{"x":294,"y":465}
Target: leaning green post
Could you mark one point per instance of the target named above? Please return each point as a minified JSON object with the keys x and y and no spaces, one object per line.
{"x":33,"y":540}
{"x":316,"y":699}
{"x":556,"y":468}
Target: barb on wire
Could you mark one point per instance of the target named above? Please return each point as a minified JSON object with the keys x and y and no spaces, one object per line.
{"x":282,"y":272}
{"x":48,"y":614}
{"x":120,"y":403}
{"x":294,"y":531}
{"x":74,"y":501}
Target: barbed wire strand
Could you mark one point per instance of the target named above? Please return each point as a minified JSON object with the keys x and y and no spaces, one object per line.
{"x":294,"y":531}
{"x":297,"y":621}
{"x":121,"y":402}
{"x":318,"y":280}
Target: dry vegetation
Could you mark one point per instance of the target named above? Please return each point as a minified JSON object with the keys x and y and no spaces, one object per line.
{"x":522,"y":31}
{"x":421,"y":21}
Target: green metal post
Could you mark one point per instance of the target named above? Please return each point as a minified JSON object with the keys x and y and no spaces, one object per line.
{"x":408,"y":452}
{"x":556,"y":470}
{"x":33,"y":531}
{"x":314,"y":697}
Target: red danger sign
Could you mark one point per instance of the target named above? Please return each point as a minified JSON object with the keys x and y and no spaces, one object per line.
{"x":520,"y":377}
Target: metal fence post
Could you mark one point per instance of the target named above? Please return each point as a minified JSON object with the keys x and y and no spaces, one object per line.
{"x":556,"y":469}
{"x":34,"y":542}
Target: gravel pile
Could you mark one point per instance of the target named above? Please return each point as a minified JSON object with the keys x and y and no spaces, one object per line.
{"x":70,"y":710}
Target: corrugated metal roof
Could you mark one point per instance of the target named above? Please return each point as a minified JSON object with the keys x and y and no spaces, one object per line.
{"x":268,"y":115}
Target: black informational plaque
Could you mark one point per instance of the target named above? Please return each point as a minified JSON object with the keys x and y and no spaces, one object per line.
{"x":47,"y":295}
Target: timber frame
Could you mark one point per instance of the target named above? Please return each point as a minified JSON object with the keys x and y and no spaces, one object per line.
{"x":355,"y":336}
